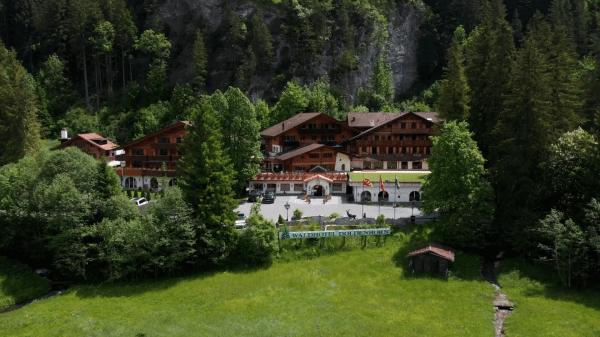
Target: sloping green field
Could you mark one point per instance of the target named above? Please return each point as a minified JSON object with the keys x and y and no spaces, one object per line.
{"x":19,"y":283}
{"x":356,"y":293}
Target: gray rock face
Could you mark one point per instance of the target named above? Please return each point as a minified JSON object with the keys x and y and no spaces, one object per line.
{"x":184,"y":16}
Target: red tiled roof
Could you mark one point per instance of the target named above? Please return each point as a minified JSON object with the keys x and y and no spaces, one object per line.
{"x":300,"y":177}
{"x":299,"y":151}
{"x":436,"y":249}
{"x":94,"y":136}
{"x":318,"y":176}
{"x":289,"y":124}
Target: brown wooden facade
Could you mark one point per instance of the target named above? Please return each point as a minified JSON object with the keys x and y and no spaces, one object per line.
{"x":144,"y":158}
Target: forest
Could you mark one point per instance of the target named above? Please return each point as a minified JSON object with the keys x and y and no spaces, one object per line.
{"x":518,"y":84}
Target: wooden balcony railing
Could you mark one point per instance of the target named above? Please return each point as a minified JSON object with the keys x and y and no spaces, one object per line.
{"x":422,"y":131}
{"x":158,"y":158}
{"x":393,"y":143}
{"x":321,"y":131}
{"x":159,"y":173}
{"x":164,"y":145}
{"x":131,"y":158}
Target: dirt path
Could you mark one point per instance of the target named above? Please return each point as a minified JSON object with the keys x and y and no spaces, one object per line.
{"x":502,"y":306}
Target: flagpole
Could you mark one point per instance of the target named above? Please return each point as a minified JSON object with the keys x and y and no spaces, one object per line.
{"x":380,"y":184}
{"x":362,"y":202}
{"x":395,"y":200}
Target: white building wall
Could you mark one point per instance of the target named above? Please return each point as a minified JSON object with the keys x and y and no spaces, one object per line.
{"x":340,"y":160}
{"x":400,"y":195}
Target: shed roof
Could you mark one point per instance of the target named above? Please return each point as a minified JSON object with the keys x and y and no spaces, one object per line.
{"x":435,"y":249}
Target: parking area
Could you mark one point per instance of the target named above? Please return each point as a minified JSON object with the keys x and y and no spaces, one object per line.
{"x":337,"y":204}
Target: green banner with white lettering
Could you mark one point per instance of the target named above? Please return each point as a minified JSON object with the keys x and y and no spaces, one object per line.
{"x":286,"y":234}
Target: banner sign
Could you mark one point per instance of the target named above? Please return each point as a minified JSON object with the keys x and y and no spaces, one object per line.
{"x":327,"y":234}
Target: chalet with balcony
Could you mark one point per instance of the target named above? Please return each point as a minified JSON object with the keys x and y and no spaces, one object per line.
{"x":300,"y":131}
{"x":90,"y":143}
{"x":144,"y":158}
{"x":399,"y":143}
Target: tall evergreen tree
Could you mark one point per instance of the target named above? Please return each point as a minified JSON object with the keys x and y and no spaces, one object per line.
{"x":524,"y":132}
{"x":19,"y":123}
{"x":492,"y":55}
{"x":206,"y":180}
{"x":199,"y":61}
{"x":454,"y":89}
{"x":517,"y":27}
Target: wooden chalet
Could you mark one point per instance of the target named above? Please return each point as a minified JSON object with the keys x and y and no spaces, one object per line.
{"x":144,"y":158}
{"x":432,"y":258}
{"x":90,"y":143}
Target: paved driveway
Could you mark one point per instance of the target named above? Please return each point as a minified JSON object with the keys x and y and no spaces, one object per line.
{"x":337,"y":204}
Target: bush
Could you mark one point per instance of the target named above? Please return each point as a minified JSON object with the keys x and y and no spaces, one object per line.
{"x":129,"y":194}
{"x":334,"y":215}
{"x":258,"y":243}
{"x":280,"y":220}
{"x":298,"y":213}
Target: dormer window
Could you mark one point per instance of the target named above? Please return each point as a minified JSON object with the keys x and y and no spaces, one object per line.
{"x":163,"y":140}
{"x":325,"y":126}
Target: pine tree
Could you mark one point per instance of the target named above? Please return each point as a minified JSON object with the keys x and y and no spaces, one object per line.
{"x":517,"y":27}
{"x":199,"y":60}
{"x":524,"y":132}
{"x":107,"y":184}
{"x":491,"y":59}
{"x":206,"y":180}
{"x":19,"y":124}
{"x":454,"y":89}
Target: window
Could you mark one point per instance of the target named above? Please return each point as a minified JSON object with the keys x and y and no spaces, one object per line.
{"x":414,"y":150}
{"x":414,"y":137}
{"x":137,"y":164}
{"x":428,"y":150}
{"x":389,"y":137}
{"x":404,"y":165}
{"x":331,"y":138}
{"x":301,"y":167}
{"x":392,"y":165}
{"x":376,"y":137}
{"x":290,"y":139}
{"x":390,"y":150}
{"x":427,"y":126}
{"x":178,"y":140}
{"x":403,"y":125}
{"x":403,"y":150}
{"x":173,"y":182}
{"x":323,"y":138}
{"x":325,"y":126}
{"x":414,"y":125}
{"x":327,"y":155}
{"x":137,"y":152}
{"x":336,"y":187}
{"x":273,"y":186}
{"x":302,"y":157}
{"x":162,"y":152}
{"x":130,"y":182}
{"x":153,"y":183}
{"x":416,"y":165}
{"x":389,"y":125}
{"x":343,"y":167}
{"x":312,"y":126}
{"x":378,"y":164}
{"x":401,"y":137}
{"x":303,"y":126}
{"x":298,"y":187}
{"x":302,"y":137}
{"x":163,"y":140}
{"x":314,"y":156}
{"x":285,"y":187}
{"x":314,"y":137}
{"x":367,"y":164}
{"x":374,"y":150}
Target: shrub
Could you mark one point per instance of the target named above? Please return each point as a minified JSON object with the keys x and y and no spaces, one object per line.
{"x":148,"y":196}
{"x":129,"y":194}
{"x":334,"y":215}
{"x":298,"y":213}
{"x":280,"y":220}
{"x":258,"y":243}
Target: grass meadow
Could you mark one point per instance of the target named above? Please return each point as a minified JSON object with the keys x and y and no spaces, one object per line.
{"x":19,"y":283}
{"x":354,"y":292}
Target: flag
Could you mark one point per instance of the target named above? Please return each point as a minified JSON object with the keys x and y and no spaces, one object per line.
{"x":397,"y":183}
{"x":381,"y":183}
{"x":367,"y":182}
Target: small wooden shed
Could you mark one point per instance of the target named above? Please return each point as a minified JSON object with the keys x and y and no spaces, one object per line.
{"x":431,"y":258}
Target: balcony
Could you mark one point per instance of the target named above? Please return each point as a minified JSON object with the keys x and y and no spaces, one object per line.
{"x":291,"y":143}
{"x":393,"y":143}
{"x":164,"y":145}
{"x":422,"y":131}
{"x":175,"y":158}
{"x":158,"y":158}
{"x":130,"y":158}
{"x":327,"y":131}
{"x":159,"y":173}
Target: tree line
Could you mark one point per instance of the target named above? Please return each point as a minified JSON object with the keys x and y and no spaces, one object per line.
{"x":530,"y":176}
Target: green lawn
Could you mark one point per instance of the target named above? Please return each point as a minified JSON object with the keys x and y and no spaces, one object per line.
{"x":543,"y":307}
{"x":355,"y":293}
{"x":391,"y":177}
{"x":19,"y":283}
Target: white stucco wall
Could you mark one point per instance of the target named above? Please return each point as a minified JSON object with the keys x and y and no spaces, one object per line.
{"x":400,"y":195}
{"x":340,"y":160}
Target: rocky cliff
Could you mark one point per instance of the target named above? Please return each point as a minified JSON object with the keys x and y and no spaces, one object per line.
{"x":181,"y":18}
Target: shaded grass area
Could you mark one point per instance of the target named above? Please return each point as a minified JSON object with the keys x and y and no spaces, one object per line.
{"x":19,"y":283}
{"x":543,"y":307}
{"x":361,"y":292}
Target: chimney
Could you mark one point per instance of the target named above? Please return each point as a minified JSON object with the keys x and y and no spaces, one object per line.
{"x":282,"y":126}
{"x":64,"y":135}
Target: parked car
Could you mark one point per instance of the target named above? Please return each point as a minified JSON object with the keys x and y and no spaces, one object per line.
{"x":240,"y":223}
{"x":269,"y":196}
{"x":254,"y":194}
{"x":139,"y":201}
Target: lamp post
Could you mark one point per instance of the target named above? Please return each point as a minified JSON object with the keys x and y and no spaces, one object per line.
{"x":287,"y":211}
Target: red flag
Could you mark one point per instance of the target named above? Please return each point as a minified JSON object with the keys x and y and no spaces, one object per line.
{"x":381,"y":183}
{"x":367,"y":182}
